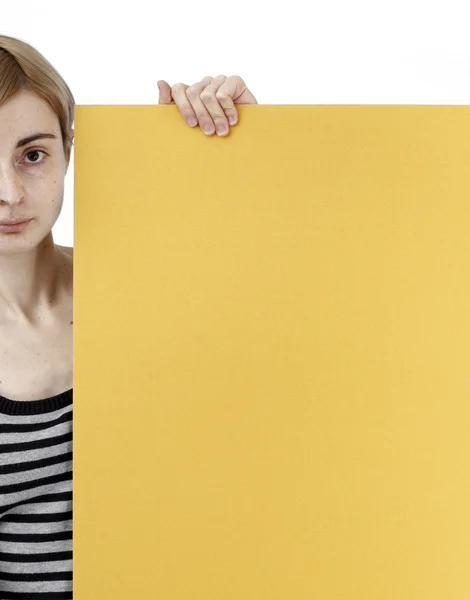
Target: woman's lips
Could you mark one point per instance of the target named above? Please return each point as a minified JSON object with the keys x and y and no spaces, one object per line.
{"x":14,"y":228}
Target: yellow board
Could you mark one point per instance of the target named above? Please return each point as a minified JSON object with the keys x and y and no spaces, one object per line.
{"x":271,"y":376}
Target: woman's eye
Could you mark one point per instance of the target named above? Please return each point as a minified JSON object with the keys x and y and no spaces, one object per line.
{"x":33,"y":153}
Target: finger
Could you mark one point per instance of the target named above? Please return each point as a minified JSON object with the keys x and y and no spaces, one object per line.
{"x":184,"y":105}
{"x":209,"y":100}
{"x":235,"y":89}
{"x":195,"y":95}
{"x":165,"y":96}
{"x":226,"y":95}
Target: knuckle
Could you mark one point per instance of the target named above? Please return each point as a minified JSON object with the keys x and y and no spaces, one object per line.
{"x":221,"y":95}
{"x":206,"y":96}
{"x":192,"y":93}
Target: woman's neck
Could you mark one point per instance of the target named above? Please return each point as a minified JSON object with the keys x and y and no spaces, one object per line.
{"x":32,"y":284}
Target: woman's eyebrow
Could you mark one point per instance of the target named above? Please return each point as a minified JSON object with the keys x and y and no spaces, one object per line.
{"x":34,"y":137}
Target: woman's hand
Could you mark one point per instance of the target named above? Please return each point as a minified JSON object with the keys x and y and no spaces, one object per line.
{"x":209,"y":102}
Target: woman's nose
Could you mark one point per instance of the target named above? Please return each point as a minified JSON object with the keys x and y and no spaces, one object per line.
{"x":11,"y":185}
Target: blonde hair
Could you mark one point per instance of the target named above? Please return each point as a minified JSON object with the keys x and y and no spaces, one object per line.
{"x":22,"y":67}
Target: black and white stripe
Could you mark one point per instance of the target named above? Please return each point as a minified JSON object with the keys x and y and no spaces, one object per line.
{"x":36,"y":498}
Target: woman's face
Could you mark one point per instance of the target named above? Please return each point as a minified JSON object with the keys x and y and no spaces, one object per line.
{"x":31,"y":174}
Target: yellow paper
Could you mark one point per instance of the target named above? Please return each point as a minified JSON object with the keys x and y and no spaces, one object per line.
{"x":271,"y":380}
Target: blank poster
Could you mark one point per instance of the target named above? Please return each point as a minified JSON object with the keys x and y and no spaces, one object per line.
{"x":271,"y":354}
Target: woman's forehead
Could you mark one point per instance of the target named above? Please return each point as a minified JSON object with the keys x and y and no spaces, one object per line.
{"x":26,"y":114}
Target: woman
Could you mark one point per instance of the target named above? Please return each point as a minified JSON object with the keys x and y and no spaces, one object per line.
{"x":36,"y":308}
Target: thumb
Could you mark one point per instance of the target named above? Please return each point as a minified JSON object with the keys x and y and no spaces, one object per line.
{"x":165,"y":96}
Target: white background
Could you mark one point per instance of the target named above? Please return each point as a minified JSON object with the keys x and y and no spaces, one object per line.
{"x":295,"y":52}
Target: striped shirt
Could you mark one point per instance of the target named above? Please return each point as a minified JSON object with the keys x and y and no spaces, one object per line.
{"x":36,"y":498}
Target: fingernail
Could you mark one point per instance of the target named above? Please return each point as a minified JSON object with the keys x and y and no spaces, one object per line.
{"x":232,"y":120}
{"x":208,"y":128}
{"x":192,"y":121}
{"x":221,"y":130}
